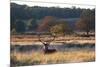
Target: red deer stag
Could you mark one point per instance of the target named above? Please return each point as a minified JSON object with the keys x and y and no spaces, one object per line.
{"x":46,"y":44}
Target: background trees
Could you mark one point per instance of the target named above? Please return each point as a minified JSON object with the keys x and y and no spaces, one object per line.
{"x":46,"y":23}
{"x":58,"y":29}
{"x":32,"y":24}
{"x":86,"y":21}
{"x":61,"y":28}
{"x":20,"y":27}
{"x":25,"y":18}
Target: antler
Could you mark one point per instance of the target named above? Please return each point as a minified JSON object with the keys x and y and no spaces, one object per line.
{"x":52,"y":39}
{"x":44,"y":41}
{"x":40,"y":39}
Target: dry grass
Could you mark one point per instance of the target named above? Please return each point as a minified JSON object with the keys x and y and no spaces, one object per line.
{"x":29,"y":39}
{"x":33,"y":58}
{"x":58,"y":57}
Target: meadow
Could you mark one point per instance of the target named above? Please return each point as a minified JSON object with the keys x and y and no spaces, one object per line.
{"x":33,"y":39}
{"x":34,"y":58}
{"x":26,"y":50}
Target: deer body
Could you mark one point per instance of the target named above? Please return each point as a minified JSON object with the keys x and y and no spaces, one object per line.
{"x":47,"y":50}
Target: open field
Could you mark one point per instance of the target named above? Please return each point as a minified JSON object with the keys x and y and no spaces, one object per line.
{"x":33,"y":39}
{"x":35,"y":58}
{"x":27,"y":50}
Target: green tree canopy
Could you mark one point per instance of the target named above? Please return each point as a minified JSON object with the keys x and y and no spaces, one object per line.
{"x":60,"y":28}
{"x":20,"y":27}
{"x":32,"y":24}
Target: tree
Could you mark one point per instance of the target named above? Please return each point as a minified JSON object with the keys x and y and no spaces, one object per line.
{"x":20,"y":27}
{"x":86,"y":21}
{"x":32,"y":24}
{"x":23,"y":12}
{"x":46,"y":23}
{"x":60,"y":29}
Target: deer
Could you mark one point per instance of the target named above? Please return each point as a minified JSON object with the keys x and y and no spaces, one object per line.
{"x":46,"y":44}
{"x":47,"y":50}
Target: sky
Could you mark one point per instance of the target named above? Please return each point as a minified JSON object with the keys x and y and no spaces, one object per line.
{"x":61,"y":3}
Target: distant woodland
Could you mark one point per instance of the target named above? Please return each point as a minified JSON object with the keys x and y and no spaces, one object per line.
{"x":51,"y":19}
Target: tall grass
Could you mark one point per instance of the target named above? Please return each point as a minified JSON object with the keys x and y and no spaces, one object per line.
{"x":34,"y":58}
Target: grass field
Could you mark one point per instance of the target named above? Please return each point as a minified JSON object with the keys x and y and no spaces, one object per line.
{"x":35,"y":58}
{"x":82,"y":52}
{"x":32,"y":39}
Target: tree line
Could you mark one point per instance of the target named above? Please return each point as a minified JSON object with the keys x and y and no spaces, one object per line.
{"x":24,"y":18}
